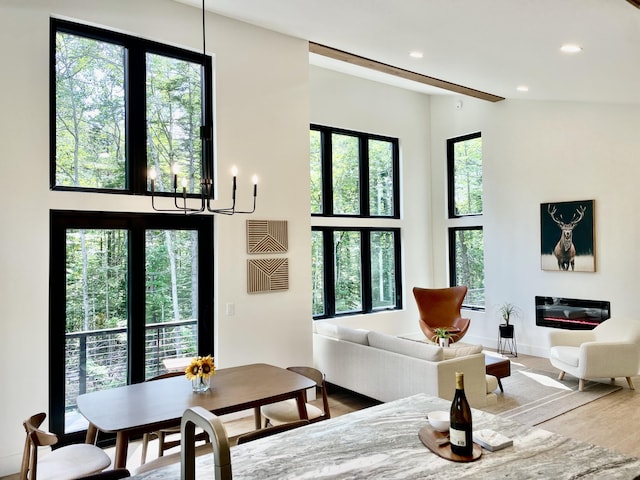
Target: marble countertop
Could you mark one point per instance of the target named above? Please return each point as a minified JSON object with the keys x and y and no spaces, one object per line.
{"x":382,"y":442}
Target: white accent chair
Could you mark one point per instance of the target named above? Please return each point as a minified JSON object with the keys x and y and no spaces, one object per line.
{"x":610,"y":350}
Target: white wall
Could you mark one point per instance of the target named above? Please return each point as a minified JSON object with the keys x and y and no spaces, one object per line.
{"x":539,"y":152}
{"x":262,"y":127}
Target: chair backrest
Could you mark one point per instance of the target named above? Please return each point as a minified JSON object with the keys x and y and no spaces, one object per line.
{"x":439,"y":307}
{"x":267,"y":432}
{"x":34,"y":438}
{"x":618,"y":330}
{"x":165,"y":375}
{"x":210,"y":423}
{"x":319,"y":378}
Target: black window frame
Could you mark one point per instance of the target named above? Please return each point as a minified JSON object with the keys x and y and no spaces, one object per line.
{"x":451,"y":188}
{"x":453,"y":280}
{"x":327,"y":177}
{"x":137,"y":224}
{"x":329,"y":298}
{"x":135,"y":103}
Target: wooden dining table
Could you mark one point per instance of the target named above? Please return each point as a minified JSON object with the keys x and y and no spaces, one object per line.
{"x":149,"y":406}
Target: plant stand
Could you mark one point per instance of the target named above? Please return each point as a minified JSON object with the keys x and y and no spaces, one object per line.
{"x":507,"y":340}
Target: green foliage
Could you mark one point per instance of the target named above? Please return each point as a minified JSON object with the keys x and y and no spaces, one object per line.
{"x":90,"y":113}
{"x":346,"y":174}
{"x":469,"y":263}
{"x":383,"y":269}
{"x":468,"y":176}
{"x":347,"y":247}
{"x":380,"y":178}
{"x":91,"y":123}
{"x":174,"y":116}
{"x":317,"y":273}
{"x":316,"y":170}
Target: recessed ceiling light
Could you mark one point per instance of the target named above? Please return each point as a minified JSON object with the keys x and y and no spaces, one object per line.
{"x":522,"y":88}
{"x":416,"y":54}
{"x":570,"y":48}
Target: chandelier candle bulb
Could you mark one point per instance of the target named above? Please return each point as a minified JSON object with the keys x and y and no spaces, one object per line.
{"x":255,"y":185}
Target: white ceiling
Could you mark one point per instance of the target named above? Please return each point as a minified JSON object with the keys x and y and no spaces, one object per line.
{"x":488,"y":45}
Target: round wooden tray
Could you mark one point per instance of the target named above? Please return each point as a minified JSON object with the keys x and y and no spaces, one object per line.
{"x":433,"y":440}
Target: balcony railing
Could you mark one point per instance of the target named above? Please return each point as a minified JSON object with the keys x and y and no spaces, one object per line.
{"x":97,"y":359}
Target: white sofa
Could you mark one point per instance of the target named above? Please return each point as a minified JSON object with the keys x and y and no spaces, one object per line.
{"x":386,"y":367}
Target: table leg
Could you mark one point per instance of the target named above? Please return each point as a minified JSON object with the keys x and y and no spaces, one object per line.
{"x":92,"y":434}
{"x":500,"y":385}
{"x":122,"y":445}
{"x":302,"y":406}
{"x":258,"y":417}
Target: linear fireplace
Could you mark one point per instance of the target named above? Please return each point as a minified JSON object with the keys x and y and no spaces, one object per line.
{"x":571,"y":313}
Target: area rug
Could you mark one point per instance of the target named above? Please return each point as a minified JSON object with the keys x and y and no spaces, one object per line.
{"x":532,"y":397}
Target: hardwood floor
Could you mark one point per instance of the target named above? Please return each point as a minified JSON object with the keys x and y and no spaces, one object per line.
{"x":611,"y":421}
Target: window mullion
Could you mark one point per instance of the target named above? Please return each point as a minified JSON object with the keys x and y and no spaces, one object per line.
{"x":136,"y":118}
{"x":329,"y":272}
{"x":327,"y":173}
{"x":137,"y":296}
{"x":365,"y":266}
{"x":364,"y":176}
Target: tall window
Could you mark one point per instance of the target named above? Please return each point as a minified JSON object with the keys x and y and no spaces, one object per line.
{"x":466,"y":255}
{"x":466,"y":243}
{"x":464,"y":162}
{"x":356,"y":264}
{"x":122,"y":105}
{"x":127,"y":292}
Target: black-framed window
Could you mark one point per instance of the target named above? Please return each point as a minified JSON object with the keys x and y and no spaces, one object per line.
{"x":126,"y":292}
{"x":355,"y":270}
{"x":354,"y":174}
{"x":466,"y":242}
{"x":466,"y":263}
{"x":121,"y":105}
{"x":464,"y":168}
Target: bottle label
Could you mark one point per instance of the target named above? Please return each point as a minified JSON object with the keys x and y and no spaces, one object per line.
{"x":457,"y":437}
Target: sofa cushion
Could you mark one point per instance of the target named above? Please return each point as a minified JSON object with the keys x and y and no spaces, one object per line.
{"x":457,"y":350}
{"x":410,"y":348}
{"x":341,"y":332}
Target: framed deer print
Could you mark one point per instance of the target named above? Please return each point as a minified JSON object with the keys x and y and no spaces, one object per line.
{"x":567,"y":236}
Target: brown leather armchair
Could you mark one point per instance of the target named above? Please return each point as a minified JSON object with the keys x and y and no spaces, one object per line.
{"x":440,"y":307}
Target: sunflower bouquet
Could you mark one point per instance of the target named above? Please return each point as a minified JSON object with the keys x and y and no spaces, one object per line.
{"x":199,"y":372}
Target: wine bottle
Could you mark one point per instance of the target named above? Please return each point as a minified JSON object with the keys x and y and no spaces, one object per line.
{"x":460,"y":429}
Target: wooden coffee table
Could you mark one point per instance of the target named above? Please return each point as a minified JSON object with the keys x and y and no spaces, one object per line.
{"x":498,"y":367}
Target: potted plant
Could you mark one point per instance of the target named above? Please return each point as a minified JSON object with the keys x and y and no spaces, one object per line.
{"x":508,"y":311}
{"x":443,"y":336}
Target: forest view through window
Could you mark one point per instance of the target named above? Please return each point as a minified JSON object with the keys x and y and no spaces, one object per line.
{"x":355,"y":264}
{"x":128,"y":292}
{"x":466,"y":243}
{"x":122,"y":106}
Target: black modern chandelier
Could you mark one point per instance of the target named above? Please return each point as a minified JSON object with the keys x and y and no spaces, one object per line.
{"x":206,"y":184}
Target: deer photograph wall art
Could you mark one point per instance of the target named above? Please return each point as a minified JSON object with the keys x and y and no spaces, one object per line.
{"x":567,"y":238}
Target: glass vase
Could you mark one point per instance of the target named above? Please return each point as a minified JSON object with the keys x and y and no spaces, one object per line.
{"x":201,"y":384}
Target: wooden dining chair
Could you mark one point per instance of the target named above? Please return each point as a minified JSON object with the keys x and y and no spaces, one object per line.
{"x":163,"y":443}
{"x":267,"y":432}
{"x":64,"y":463}
{"x":115,"y":474}
{"x":287,"y":411}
